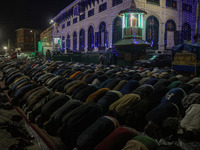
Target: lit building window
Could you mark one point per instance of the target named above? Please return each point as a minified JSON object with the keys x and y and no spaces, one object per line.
{"x":68,"y":42}
{"x":170,"y":27}
{"x":90,"y":38}
{"x":97,"y":39}
{"x":75,"y":41}
{"x":117,"y":30}
{"x":152,"y":31}
{"x":103,"y":35}
{"x":82,"y":40}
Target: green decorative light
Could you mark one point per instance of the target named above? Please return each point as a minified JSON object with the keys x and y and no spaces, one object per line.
{"x":128,"y":20}
{"x":126,"y":24}
{"x":39,"y":47}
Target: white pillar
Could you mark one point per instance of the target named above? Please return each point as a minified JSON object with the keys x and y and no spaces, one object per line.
{"x":144,"y":28}
{"x":161,"y":36}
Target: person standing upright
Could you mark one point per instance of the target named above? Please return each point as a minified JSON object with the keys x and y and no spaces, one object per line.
{"x":101,"y":59}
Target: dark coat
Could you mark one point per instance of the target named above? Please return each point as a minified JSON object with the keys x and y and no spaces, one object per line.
{"x":161,"y":112}
{"x":55,"y":121}
{"x":77,"y":120}
{"x":109,"y":98}
{"x":96,"y":132}
{"x":144,"y":90}
{"x":129,"y":87}
{"x":36,"y":110}
{"x":21,"y":91}
{"x":117,"y":139}
{"x":50,"y":107}
{"x":112,"y":83}
{"x":84,"y":93}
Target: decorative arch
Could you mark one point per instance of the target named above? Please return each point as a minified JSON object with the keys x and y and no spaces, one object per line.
{"x":90,"y":38}
{"x":170,"y":25}
{"x":117,"y":30}
{"x":152,"y":31}
{"x":170,"y":28}
{"x":74,"y":41}
{"x":82,"y":40}
{"x":160,"y":20}
{"x":186,"y":31}
{"x":103,"y":36}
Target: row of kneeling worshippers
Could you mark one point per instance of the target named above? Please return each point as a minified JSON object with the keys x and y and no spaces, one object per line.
{"x":107,"y":109}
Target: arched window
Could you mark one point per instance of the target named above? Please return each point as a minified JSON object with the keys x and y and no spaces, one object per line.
{"x":170,"y":28}
{"x":103,"y":34}
{"x":68,"y":42}
{"x":90,"y":38}
{"x":63,"y":43}
{"x":186,"y":31}
{"x":170,"y":25}
{"x":117,"y":30}
{"x":82,"y":40}
{"x":152,"y":31}
{"x":75,"y":41}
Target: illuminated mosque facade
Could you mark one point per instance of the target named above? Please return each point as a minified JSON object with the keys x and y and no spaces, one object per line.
{"x":95,"y":25}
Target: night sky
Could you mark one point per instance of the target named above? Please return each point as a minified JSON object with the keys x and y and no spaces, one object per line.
{"x":35,"y":14}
